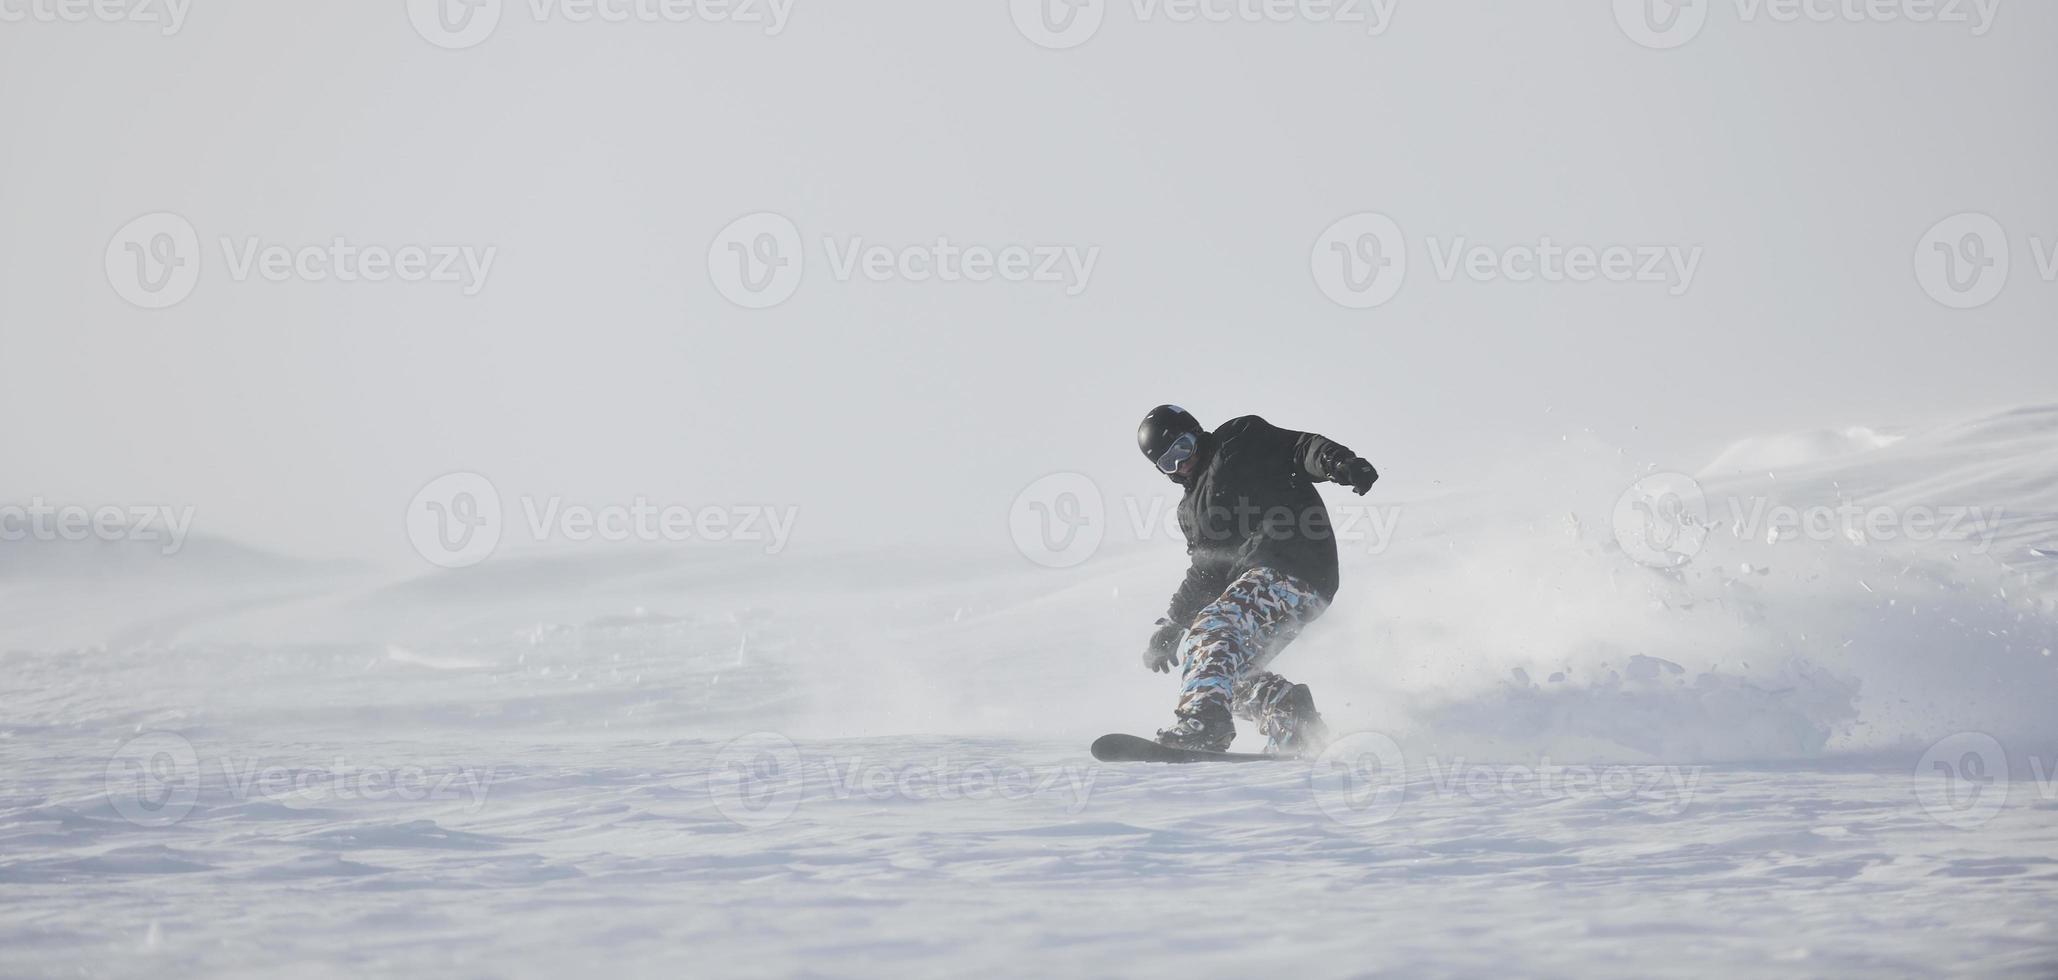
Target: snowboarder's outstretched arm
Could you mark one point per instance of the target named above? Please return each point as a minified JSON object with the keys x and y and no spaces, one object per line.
{"x":1317,"y":457}
{"x":1323,"y":458}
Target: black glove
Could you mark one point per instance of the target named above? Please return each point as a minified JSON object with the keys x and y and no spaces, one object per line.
{"x":1358,"y":475}
{"x":1164,"y":647}
{"x":1340,"y":467}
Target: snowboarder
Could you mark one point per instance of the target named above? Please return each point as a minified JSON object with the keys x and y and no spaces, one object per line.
{"x":1262,"y":567}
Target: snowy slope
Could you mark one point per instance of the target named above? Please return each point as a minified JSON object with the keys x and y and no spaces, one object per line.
{"x":872,"y":762}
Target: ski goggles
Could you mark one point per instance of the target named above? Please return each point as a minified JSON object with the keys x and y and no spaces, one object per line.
{"x":1178,"y":453}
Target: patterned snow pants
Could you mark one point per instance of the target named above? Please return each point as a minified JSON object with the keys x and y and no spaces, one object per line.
{"x":1223,"y":654}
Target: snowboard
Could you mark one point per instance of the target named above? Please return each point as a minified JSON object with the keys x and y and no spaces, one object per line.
{"x":1130,"y":748}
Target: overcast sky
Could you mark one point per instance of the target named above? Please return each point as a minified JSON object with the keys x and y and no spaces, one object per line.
{"x":1793,"y":168}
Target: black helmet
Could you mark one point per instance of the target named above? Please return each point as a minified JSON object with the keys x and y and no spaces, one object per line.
{"x":1160,"y":436}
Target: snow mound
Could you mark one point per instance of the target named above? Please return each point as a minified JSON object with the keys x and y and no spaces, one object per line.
{"x":1883,"y":593}
{"x":1770,"y":453}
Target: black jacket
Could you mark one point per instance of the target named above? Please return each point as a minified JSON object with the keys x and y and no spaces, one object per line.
{"x":1252,"y":503}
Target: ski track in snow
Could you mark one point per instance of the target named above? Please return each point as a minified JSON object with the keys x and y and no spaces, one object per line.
{"x":701,"y":765}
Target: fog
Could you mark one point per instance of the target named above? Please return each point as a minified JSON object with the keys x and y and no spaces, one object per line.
{"x":599,"y":361}
{"x":383,"y":386}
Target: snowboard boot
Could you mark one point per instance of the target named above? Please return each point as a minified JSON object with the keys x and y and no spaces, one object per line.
{"x":1207,"y":729}
{"x":1292,"y":726}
